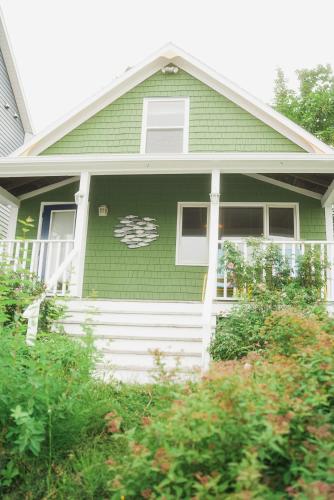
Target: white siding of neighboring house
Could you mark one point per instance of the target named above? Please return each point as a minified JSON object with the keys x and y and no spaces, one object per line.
{"x":11,"y":129}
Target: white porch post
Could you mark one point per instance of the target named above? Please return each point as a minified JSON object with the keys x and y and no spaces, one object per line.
{"x":211,"y":284}
{"x":330,"y":237}
{"x":80,"y":235}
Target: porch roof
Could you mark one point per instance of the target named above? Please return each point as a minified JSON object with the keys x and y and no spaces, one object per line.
{"x":312,"y":172}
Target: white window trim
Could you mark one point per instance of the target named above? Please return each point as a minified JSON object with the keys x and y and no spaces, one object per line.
{"x":180,"y":206}
{"x":266,"y":205}
{"x":185,"y":127}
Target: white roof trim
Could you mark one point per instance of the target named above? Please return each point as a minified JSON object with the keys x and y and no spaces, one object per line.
{"x":191,"y":163}
{"x":14,"y":77}
{"x":172,"y":54}
{"x":286,"y":185}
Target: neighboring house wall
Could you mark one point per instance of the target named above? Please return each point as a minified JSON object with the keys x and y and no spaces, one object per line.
{"x":114,"y":271}
{"x":11,"y":129}
{"x":216,"y":123}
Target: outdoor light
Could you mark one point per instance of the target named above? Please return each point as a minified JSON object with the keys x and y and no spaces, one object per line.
{"x":103,"y":210}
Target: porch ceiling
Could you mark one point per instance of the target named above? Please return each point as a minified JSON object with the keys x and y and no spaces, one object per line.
{"x":18,"y":186}
{"x":319,"y":183}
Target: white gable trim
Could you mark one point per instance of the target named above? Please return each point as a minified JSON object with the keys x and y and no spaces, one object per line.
{"x":14,"y":77}
{"x":285,"y":185}
{"x":166,"y":55}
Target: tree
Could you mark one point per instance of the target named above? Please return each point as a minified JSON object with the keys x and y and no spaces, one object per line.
{"x":312,"y":105}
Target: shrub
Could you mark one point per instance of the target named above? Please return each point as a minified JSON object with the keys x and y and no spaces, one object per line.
{"x":262,"y":293}
{"x":287,"y":331}
{"x":257,"y":428}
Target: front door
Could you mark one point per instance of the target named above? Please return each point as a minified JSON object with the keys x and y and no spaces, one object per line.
{"x":58,"y":225}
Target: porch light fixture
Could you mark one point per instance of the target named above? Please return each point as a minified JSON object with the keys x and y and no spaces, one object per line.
{"x":103,"y":211}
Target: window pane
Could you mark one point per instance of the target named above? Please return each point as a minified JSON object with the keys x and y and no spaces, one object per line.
{"x":281,"y":222}
{"x":194,"y":221}
{"x":241,"y":221}
{"x":164,"y":141}
{"x":165,"y":113}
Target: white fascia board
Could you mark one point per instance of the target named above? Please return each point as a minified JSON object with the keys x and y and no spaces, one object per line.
{"x":14,"y":76}
{"x":328,"y":197}
{"x":285,"y":185}
{"x":8,"y":198}
{"x":46,"y":189}
{"x":124,"y":164}
{"x":173,"y":54}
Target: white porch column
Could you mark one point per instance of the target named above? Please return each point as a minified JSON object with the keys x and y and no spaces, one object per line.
{"x":211,"y":284}
{"x":80,"y":235}
{"x":330,"y":237}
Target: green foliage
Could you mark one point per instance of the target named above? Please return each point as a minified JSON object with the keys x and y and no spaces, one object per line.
{"x":261,"y":293}
{"x":257,"y":428}
{"x":312,"y":106}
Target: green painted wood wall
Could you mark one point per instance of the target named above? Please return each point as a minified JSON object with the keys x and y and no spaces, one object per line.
{"x":114,"y":271}
{"x":216,"y":124}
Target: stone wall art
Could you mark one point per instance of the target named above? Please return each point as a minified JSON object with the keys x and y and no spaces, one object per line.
{"x":136,"y":232}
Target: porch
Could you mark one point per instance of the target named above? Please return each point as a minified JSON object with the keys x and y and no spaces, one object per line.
{"x":94,"y":265}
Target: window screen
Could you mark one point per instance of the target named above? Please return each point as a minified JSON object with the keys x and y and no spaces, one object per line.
{"x":281,"y":222}
{"x":165,"y":126}
{"x":241,"y":221}
{"x":194,"y":221}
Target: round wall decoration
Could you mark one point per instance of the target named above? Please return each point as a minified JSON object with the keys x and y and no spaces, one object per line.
{"x":136,"y":232}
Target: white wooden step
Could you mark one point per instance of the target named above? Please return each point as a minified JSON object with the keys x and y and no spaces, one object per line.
{"x":134,"y":306}
{"x":168,"y":345}
{"x":126,"y":328}
{"x":148,"y":360}
{"x":137,"y":375}
{"x":131,"y":317}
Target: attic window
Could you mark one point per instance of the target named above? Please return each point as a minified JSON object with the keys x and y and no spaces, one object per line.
{"x":165,"y":125}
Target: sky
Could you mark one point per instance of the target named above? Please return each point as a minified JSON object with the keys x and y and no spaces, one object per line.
{"x":66,"y":50}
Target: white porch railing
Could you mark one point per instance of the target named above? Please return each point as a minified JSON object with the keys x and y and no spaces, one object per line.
{"x":290,"y":251}
{"x":42,"y":258}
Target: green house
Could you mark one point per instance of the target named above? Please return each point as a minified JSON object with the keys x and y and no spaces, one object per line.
{"x":134,"y":192}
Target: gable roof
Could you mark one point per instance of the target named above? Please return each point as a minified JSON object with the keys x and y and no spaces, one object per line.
{"x":14,"y":76}
{"x":171,"y":54}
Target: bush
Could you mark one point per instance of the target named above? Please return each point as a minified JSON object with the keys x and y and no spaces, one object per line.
{"x":262,"y":293}
{"x":288,"y":331}
{"x":257,"y":428}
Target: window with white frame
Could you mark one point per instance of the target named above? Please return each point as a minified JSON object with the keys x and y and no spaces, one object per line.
{"x":192,"y":246}
{"x":165,"y":125}
{"x":275,"y":221}
{"x":266,"y":220}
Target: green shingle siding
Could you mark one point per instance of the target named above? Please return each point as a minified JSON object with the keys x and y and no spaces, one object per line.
{"x":216,"y":124}
{"x":114,"y":271}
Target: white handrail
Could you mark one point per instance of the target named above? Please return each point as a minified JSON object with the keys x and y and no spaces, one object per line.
{"x":32,"y":311}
